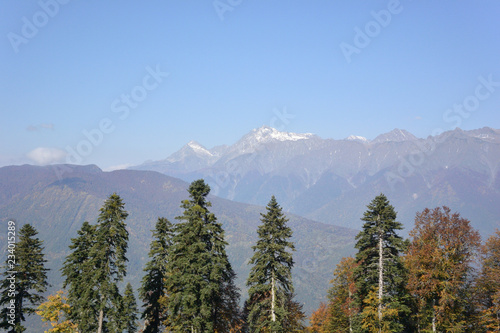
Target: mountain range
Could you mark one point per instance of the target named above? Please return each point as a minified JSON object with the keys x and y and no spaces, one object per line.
{"x":331,"y":180}
{"x":314,"y":179}
{"x":57,"y":199}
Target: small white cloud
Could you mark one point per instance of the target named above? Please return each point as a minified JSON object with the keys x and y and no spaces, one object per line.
{"x":118,"y":167}
{"x":45,"y":156}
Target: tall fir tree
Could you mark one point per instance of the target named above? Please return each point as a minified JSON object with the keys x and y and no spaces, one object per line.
{"x":153,"y":288}
{"x":202,"y":296}
{"x":108,"y":257}
{"x":380,"y":275}
{"x":25,"y":270}
{"x":440,"y":261}
{"x":77,"y":268}
{"x":96,"y":266}
{"x":270,"y":280}
{"x":128,"y":311}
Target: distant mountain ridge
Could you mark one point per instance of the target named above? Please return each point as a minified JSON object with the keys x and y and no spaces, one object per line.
{"x":322,"y":178}
{"x":58,"y":199}
{"x":396,"y":135}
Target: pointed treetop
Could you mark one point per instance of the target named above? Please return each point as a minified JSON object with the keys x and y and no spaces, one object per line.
{"x":273,"y":202}
{"x":112,"y":206}
{"x":198,"y":191}
{"x":27,"y":230}
{"x":380,"y":208}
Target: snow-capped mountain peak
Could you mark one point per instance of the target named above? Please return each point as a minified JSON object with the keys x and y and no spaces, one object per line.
{"x":199,"y":149}
{"x":357,"y":138}
{"x":266,"y":134}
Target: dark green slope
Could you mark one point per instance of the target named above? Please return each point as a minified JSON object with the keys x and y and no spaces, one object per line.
{"x":56,"y":200}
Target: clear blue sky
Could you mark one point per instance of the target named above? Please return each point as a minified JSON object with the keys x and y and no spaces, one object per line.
{"x":331,"y":65}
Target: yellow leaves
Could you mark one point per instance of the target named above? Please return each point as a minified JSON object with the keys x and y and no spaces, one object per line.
{"x":371,"y":320}
{"x":55,"y":310}
{"x":489,"y":317}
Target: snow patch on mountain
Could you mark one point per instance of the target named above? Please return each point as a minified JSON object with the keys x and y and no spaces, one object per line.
{"x":357,"y":138}
{"x":266,"y":134}
{"x":199,"y":149}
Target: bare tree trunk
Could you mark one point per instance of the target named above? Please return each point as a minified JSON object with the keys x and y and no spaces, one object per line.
{"x":350,"y":314}
{"x":433,"y":315}
{"x":273,"y":315}
{"x":101,"y":319}
{"x":380,"y":275}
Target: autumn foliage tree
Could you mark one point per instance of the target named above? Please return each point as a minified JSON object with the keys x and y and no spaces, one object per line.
{"x":319,"y":319}
{"x":488,"y":285}
{"x":56,"y":311}
{"x":439,"y":261}
{"x":342,"y":306}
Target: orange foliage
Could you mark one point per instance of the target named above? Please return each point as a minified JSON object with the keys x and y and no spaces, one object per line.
{"x":318,"y":319}
{"x":438,"y":260}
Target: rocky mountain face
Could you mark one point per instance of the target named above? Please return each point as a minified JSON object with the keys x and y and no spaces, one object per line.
{"x":332,"y":180}
{"x":56,"y":200}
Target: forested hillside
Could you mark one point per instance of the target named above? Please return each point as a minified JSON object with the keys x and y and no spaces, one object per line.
{"x":58,"y":199}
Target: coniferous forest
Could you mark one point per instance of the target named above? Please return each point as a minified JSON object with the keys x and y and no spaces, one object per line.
{"x":441,"y":279}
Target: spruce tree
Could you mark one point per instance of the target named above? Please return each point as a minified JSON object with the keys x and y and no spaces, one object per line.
{"x":200,"y":282}
{"x":108,"y":256}
{"x":128,"y":311}
{"x":380,"y":275}
{"x":77,"y":269}
{"x":270,"y":280}
{"x":153,"y":288}
{"x":25,"y":270}
{"x":96,"y":266}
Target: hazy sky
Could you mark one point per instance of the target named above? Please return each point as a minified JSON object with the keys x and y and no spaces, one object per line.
{"x":118,"y":83}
